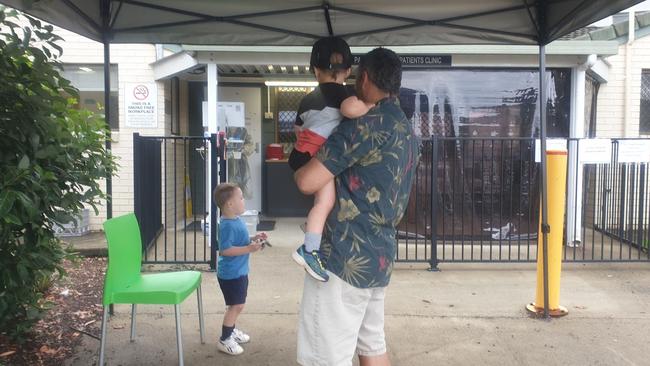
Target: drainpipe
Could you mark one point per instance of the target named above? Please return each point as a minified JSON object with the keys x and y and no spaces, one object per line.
{"x":159,"y":51}
{"x":576,"y":131}
{"x":627,"y":130}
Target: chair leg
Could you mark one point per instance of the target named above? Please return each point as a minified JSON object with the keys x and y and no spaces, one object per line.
{"x":201,"y":325}
{"x":133,"y":322}
{"x":102,"y":341}
{"x":179,"y":344}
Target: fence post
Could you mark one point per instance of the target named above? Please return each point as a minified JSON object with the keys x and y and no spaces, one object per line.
{"x":213,"y":207}
{"x":642,"y":203}
{"x":223,"y":163}
{"x":137,"y":171}
{"x":434,"y":208}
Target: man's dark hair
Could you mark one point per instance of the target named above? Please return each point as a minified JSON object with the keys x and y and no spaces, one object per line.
{"x":384,"y":69}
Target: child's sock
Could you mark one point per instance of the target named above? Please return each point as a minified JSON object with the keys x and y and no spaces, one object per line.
{"x":226,"y":332}
{"x":312,"y":241}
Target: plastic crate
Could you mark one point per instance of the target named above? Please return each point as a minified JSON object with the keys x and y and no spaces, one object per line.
{"x":251,"y":218}
{"x":78,"y":227}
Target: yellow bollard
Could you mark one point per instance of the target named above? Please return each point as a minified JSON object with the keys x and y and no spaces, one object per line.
{"x":556,"y":163}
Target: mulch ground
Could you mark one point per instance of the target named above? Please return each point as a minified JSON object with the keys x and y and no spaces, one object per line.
{"x":75,"y":313}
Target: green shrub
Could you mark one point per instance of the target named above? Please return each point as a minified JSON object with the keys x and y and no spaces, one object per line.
{"x":52,"y":158}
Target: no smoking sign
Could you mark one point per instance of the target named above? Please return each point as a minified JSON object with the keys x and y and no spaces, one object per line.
{"x":140,"y":105}
{"x":140,"y":92}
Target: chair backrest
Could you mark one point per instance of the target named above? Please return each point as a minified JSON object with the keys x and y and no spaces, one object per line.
{"x":124,"y":253}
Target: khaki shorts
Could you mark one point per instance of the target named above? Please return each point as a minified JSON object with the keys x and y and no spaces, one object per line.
{"x":336,"y":319}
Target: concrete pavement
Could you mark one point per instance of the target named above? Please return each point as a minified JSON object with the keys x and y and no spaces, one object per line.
{"x":463,"y":315}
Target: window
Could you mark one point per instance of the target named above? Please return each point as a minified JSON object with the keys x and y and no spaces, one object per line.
{"x":287,"y":103}
{"x":89,"y":79}
{"x":644,"y":117}
{"x":485,"y":102}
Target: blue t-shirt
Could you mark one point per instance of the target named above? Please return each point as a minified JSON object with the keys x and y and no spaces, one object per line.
{"x":232,"y":233}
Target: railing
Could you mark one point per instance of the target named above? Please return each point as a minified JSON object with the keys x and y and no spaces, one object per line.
{"x":485,"y":198}
{"x":172,"y":197}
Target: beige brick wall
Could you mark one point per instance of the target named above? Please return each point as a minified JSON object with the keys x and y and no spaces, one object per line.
{"x":611,"y":97}
{"x":133,"y":61}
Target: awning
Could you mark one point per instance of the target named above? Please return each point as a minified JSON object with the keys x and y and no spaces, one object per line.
{"x":300,"y":23}
{"x":295,"y":22}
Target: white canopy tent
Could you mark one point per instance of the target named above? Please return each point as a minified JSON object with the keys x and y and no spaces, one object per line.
{"x":301,"y":22}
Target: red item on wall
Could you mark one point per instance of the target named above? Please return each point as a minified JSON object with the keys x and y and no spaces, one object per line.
{"x":274,"y":152}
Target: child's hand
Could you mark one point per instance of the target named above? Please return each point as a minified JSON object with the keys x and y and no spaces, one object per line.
{"x":254,"y":246}
{"x":260,"y":236}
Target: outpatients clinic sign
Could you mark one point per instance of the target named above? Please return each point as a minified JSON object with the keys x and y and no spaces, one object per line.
{"x":418,"y":60}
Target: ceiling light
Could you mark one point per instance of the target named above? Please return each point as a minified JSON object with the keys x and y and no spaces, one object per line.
{"x":85,"y":69}
{"x":290,"y":83}
{"x":284,"y":69}
{"x":270,"y":67}
{"x":295,"y":69}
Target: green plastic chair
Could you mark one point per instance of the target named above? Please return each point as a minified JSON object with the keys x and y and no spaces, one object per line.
{"x":124,"y":284}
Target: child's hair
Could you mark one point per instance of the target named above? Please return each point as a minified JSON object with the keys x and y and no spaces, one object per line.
{"x":223,"y":193}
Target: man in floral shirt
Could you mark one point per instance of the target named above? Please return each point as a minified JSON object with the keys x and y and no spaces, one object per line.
{"x":373,"y":160}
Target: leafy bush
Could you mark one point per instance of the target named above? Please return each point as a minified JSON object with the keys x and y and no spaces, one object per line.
{"x":52,"y":159}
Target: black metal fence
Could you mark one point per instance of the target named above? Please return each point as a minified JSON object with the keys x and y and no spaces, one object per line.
{"x":614,"y":221}
{"x":172,"y":197}
{"x":477,"y":200}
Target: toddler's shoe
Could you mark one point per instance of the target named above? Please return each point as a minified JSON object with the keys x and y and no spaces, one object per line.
{"x":311,"y":262}
{"x":230,"y":346}
{"x":240,"y":337}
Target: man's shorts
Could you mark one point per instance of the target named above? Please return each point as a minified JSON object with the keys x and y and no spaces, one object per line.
{"x":235,"y":290}
{"x":336,"y":319}
{"x":298,"y":159}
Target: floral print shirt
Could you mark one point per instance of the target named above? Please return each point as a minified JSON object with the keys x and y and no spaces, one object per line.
{"x":374,"y":158}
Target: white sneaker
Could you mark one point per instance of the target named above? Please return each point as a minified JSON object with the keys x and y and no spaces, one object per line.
{"x":230,"y":346}
{"x":240,"y":337}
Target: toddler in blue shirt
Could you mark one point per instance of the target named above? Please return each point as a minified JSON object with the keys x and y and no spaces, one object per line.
{"x":235,"y":246}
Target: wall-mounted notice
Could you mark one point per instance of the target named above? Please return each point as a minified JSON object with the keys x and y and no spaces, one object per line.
{"x":595,"y":151}
{"x":551,"y":145}
{"x":633,"y":151}
{"x":141,"y":105}
{"x":230,"y":114}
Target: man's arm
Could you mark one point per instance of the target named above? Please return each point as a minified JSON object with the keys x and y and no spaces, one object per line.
{"x":312,"y":177}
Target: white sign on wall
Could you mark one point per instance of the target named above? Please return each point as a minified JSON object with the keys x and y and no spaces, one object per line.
{"x":595,"y":151}
{"x":230,"y":114}
{"x":633,"y":151}
{"x":141,"y":105}
{"x":551,"y":145}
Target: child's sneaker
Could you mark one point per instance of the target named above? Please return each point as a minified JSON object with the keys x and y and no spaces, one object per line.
{"x":230,"y":346}
{"x":311,"y":262}
{"x":240,"y":337}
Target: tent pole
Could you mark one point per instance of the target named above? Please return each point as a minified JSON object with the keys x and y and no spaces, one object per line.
{"x":105,"y":14}
{"x":107,"y":113}
{"x":544,"y":196}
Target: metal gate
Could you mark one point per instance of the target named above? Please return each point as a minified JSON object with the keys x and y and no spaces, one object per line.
{"x":477,"y":200}
{"x":172,"y":197}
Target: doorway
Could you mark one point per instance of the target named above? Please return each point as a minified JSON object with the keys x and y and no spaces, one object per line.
{"x":246,"y":169}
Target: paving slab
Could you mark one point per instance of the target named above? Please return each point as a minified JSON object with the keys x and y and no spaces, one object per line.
{"x":466,"y":314}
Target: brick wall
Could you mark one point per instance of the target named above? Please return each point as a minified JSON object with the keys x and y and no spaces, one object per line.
{"x":611,"y":97}
{"x":133,"y":62}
